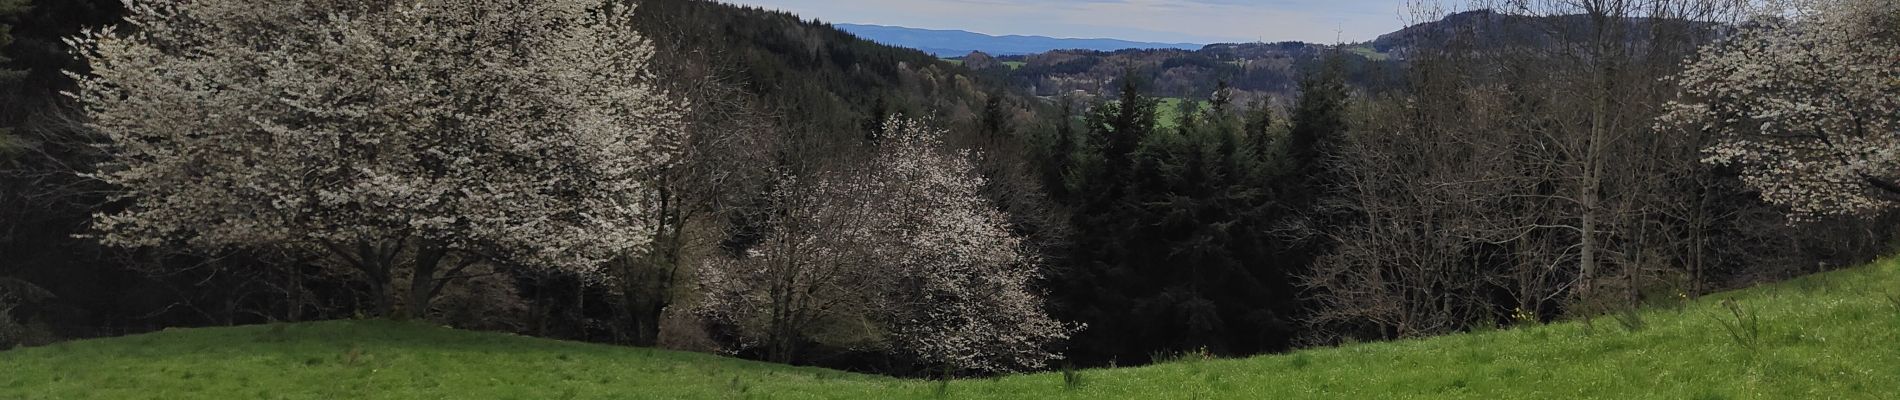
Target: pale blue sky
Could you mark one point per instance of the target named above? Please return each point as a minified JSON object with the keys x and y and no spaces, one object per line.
{"x":1199,"y":21}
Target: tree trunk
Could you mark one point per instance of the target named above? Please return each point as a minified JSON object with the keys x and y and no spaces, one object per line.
{"x":375,"y":265}
{"x":1588,"y":259}
{"x":422,"y":281}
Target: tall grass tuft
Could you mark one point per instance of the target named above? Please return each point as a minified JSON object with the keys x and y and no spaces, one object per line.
{"x":1071,"y":379}
{"x":942,"y":388}
{"x":1630,"y":319}
{"x":737,"y":386}
{"x":1743,"y":326}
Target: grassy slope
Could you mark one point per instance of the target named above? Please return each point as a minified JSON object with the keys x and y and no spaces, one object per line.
{"x":1834,"y":335}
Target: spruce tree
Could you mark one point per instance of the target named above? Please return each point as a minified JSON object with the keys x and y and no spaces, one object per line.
{"x":1171,"y":252}
{"x":8,"y":8}
{"x":1305,"y":174}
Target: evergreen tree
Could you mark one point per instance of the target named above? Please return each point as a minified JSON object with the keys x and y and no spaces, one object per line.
{"x":1318,"y":121}
{"x":1127,"y":121}
{"x":1258,"y":129}
{"x":1061,"y":149}
{"x":1187,"y":118}
{"x":1304,"y":174}
{"x":995,"y":123}
{"x":1171,"y":252}
{"x":874,"y":125}
{"x":8,"y":8}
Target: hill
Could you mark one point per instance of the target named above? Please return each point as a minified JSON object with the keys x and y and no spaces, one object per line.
{"x":821,"y":79}
{"x":1271,"y":71}
{"x":1256,"y":71}
{"x":1823,"y":336}
{"x":1492,"y":28}
{"x":947,"y":43}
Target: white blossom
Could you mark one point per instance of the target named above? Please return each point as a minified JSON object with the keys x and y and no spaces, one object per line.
{"x":515,"y":130}
{"x":908,"y":243}
{"x":1805,"y":102}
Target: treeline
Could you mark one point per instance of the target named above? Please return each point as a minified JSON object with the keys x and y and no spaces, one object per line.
{"x":1508,"y":179}
{"x":1251,"y":71}
{"x":1522,"y":178}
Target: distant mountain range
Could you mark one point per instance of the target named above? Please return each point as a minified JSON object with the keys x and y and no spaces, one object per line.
{"x":951,"y":43}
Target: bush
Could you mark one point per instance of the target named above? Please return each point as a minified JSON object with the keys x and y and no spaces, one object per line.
{"x":11,"y":333}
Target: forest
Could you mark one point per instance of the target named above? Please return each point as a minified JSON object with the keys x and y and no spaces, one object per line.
{"x":698,"y":176}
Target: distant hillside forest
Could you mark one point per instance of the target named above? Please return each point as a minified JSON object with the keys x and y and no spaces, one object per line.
{"x":787,"y":191}
{"x":1253,"y":72}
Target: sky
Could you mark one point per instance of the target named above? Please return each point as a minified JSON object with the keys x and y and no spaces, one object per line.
{"x":1183,"y":21}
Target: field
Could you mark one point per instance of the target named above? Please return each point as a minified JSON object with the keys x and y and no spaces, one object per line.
{"x":1011,"y":64}
{"x":1168,"y":111}
{"x":1369,"y":52}
{"x":1834,"y":335}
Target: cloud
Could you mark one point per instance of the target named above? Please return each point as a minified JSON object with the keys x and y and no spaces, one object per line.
{"x":1200,"y":21}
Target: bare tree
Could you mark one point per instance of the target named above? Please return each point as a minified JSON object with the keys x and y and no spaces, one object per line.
{"x":1522,"y":159}
{"x":725,"y":156}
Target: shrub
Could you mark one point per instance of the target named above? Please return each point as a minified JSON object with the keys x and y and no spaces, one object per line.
{"x":11,"y":333}
{"x":14,"y":332}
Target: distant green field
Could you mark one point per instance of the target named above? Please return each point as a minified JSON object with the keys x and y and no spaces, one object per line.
{"x":1830,"y":336}
{"x":1369,"y":53}
{"x":1168,"y":111}
{"x":1011,"y":64}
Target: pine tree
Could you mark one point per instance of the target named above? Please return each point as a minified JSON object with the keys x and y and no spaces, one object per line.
{"x":995,"y":123}
{"x":1318,"y":122}
{"x":1304,"y":173}
{"x":8,"y":8}
{"x":1258,"y":129}
{"x":1061,"y":150}
{"x":1171,"y":255}
{"x":7,"y":76}
{"x":1131,"y":118}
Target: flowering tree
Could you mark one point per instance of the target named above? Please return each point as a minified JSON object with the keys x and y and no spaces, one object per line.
{"x":419,"y":137}
{"x":1805,"y":101}
{"x":907,"y":246}
{"x":961,"y":298}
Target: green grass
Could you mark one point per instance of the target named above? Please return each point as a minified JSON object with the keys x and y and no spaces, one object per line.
{"x":1168,"y":111}
{"x":1834,"y":335}
{"x":1369,"y":53}
{"x":1013,"y":65}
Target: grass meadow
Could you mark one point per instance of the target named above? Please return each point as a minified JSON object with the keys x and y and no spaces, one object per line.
{"x":1828,"y":336}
